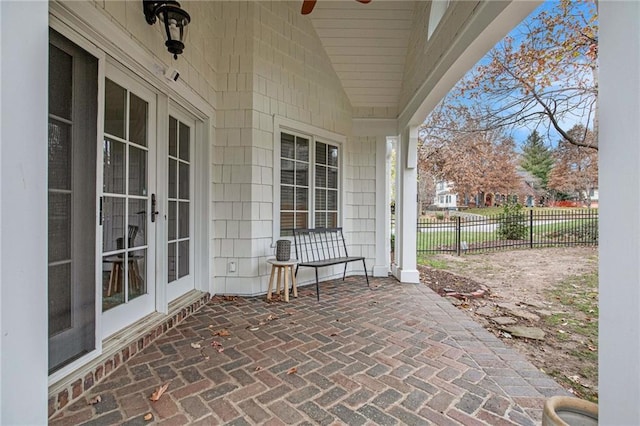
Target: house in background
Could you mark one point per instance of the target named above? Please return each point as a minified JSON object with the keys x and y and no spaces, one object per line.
{"x":135,"y":186}
{"x":526,"y":194}
{"x":445,"y":198}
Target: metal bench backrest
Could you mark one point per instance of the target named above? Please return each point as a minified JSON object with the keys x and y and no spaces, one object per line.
{"x":313,"y":245}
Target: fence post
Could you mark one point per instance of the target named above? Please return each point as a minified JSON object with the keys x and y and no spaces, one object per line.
{"x":531,"y":228}
{"x":458,"y":235}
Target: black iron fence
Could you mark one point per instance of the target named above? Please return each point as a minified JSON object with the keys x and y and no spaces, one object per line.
{"x":456,"y":232}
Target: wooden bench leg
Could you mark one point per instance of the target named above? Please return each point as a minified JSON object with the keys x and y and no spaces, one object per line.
{"x":317,"y":285}
{"x":344,"y":274}
{"x":279,"y":280}
{"x":273,"y":270}
{"x":286,"y":284}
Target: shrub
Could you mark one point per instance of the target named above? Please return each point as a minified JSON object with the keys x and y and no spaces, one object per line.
{"x":512,"y":222}
{"x":440,"y":216}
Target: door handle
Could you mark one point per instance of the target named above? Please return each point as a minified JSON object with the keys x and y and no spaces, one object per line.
{"x":154,"y":206}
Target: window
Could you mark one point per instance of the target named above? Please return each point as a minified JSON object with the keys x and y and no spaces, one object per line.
{"x":438,"y":8}
{"x":309,"y":183}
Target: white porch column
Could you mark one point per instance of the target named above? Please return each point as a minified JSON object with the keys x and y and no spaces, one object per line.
{"x":406,"y":209}
{"x":619,"y":105}
{"x":23,"y":212}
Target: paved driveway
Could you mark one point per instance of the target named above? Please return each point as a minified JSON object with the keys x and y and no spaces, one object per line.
{"x":392,"y":354}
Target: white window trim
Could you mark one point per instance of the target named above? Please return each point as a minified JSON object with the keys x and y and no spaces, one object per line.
{"x":315,"y":134}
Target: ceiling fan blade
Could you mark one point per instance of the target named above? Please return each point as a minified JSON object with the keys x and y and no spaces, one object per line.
{"x":307,"y":6}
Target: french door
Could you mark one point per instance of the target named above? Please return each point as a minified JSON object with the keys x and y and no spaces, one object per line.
{"x":180,"y":209}
{"x":121,"y":204}
{"x":128,"y":202}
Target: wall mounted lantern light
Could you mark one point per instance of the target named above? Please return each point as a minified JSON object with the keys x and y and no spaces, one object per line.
{"x":174,"y":22}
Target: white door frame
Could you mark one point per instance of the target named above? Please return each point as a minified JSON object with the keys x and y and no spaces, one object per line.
{"x":131,"y":311}
{"x":185,"y":284}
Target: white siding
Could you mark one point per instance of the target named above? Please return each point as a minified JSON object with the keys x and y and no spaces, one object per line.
{"x":360,"y":200}
{"x":271,"y":64}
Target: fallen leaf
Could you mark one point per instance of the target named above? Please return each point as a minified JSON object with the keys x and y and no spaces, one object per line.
{"x":196,"y":345}
{"x":94,"y":400}
{"x":158,"y":393}
{"x":272,"y":317}
{"x":592,"y":348}
{"x":333,"y":334}
{"x":220,"y":350}
{"x":258,"y":368}
{"x":292,"y":370}
{"x":253,"y":328}
{"x":148,"y":416}
{"x":222,"y":333}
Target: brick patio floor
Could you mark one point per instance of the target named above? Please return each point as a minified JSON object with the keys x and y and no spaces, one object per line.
{"x":392,"y":354}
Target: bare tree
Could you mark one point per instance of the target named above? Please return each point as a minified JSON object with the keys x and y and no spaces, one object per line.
{"x":543,"y":76}
{"x":478,"y":162}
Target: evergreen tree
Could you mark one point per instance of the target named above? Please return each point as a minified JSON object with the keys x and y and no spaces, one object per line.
{"x":537,"y":158}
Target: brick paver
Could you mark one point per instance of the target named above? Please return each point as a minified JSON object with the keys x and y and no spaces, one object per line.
{"x":390,"y":354}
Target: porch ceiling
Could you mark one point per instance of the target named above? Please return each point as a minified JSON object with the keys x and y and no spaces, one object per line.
{"x":367,"y":45}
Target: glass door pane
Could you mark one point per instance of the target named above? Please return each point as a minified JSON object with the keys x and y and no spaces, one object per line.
{"x":125,"y":196}
{"x":180,"y":207}
{"x":71,"y":184}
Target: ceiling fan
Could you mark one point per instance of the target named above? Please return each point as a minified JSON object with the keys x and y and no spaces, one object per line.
{"x":308,"y":5}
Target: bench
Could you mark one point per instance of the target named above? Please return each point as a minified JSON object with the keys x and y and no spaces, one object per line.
{"x":320,"y":247}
